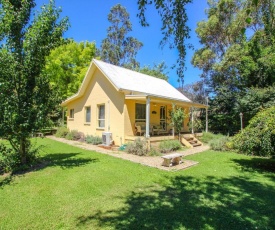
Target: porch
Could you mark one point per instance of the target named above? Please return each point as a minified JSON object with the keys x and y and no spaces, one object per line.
{"x":149,"y":117}
{"x":187,"y":139}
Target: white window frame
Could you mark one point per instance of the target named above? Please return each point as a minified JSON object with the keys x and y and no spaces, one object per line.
{"x":86,"y":107}
{"x":143,"y":118}
{"x":99,"y":120}
{"x":71,"y":114}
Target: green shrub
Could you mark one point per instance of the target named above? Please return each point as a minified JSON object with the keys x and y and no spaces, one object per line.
{"x":9,"y":160}
{"x":207,"y":137}
{"x":138,"y":147}
{"x":258,"y":138}
{"x":94,"y":140}
{"x":220,"y":143}
{"x":169,"y":146}
{"x":69,"y":136}
{"x":154,"y":152}
{"x":62,"y":132}
{"x":73,"y":135}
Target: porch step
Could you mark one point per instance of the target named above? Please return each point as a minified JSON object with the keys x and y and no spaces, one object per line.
{"x":191,"y":141}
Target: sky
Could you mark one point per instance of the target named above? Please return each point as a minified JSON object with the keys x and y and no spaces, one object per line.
{"x":88,"y":20}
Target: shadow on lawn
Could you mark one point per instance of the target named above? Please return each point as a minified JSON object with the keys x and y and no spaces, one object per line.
{"x":186,"y":202}
{"x":6,"y":181}
{"x":63,"y":160}
{"x":257,"y":164}
{"x":67,"y":160}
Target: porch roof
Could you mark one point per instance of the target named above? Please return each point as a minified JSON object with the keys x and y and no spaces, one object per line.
{"x":165,"y":100}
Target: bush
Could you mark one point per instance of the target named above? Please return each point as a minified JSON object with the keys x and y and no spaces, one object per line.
{"x":220,"y":143}
{"x":258,"y":138}
{"x":62,"y":132}
{"x":9,"y":160}
{"x":169,"y":146}
{"x":154,"y":152}
{"x":207,"y":137}
{"x":94,"y":140}
{"x":73,"y":135}
{"x":138,"y":147}
{"x":69,"y":136}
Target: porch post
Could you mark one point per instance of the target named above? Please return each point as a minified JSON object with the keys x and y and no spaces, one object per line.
{"x":147,"y":133}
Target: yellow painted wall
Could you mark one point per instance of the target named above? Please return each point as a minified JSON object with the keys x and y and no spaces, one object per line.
{"x":99,"y":91}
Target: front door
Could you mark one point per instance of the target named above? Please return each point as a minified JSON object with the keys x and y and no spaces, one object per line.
{"x":162,"y":118}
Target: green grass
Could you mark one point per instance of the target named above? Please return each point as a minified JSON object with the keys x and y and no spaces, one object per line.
{"x":80,"y":189}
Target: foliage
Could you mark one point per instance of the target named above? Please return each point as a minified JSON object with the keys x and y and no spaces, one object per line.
{"x":26,"y":98}
{"x":94,"y":140}
{"x":258,"y":138}
{"x":73,"y":135}
{"x":157,"y":71}
{"x":237,"y":54}
{"x":196,"y":92}
{"x":154,"y":151}
{"x":67,"y":65}
{"x":137,"y":147}
{"x":9,"y":160}
{"x":254,"y":100}
{"x":219,"y":144}
{"x":62,"y":132}
{"x":168,"y":146}
{"x":207,"y":137}
{"x":174,"y":26}
{"x":177,"y":115}
{"x":117,"y":48}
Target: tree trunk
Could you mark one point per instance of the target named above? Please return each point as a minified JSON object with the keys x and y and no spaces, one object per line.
{"x":22,"y":150}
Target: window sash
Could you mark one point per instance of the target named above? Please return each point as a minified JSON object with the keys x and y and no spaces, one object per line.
{"x":140,"y":112}
{"x":101,"y":116}
{"x":88,"y":114}
{"x":71,"y":113}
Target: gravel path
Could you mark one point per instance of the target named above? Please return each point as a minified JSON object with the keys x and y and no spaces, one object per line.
{"x":151,"y":161}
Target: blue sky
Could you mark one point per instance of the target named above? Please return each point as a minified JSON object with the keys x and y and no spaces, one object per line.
{"x":88,"y":19}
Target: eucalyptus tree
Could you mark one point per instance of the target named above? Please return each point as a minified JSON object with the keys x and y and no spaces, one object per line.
{"x":158,"y":70}
{"x":26,"y":97}
{"x":118,"y":48}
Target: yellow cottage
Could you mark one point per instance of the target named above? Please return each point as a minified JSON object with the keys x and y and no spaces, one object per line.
{"x":120,"y":104}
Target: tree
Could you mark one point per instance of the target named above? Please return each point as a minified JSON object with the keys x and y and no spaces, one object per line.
{"x":67,"y":65}
{"x":26,"y":97}
{"x":258,"y":138}
{"x":177,"y":115}
{"x":117,"y":48}
{"x":174,"y":26}
{"x":157,"y":71}
{"x":196,"y":92}
{"x":237,"y":53}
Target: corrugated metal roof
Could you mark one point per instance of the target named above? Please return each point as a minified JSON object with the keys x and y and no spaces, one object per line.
{"x":125,"y":79}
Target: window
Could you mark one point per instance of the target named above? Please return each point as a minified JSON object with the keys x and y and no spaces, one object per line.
{"x":140,"y":112}
{"x":101,"y":116}
{"x":88,"y":114}
{"x":71,"y":113}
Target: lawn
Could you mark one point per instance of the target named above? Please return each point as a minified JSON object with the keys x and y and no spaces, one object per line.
{"x":79,"y":189}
